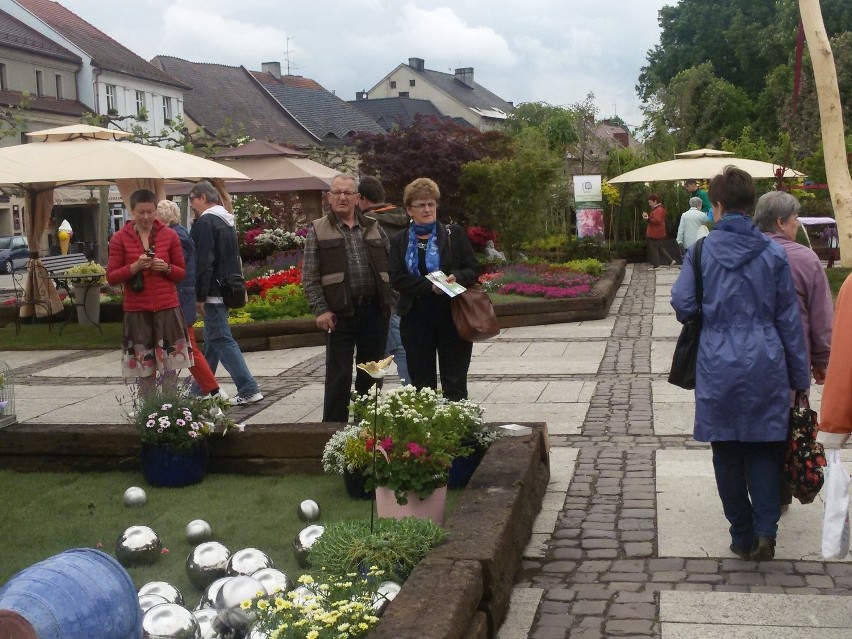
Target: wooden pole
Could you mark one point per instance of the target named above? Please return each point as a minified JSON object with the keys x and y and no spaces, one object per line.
{"x":831,"y":123}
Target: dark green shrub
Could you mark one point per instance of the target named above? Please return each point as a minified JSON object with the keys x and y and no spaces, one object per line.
{"x":587,"y":248}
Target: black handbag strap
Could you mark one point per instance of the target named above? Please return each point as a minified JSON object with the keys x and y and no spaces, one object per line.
{"x":696,"y":267}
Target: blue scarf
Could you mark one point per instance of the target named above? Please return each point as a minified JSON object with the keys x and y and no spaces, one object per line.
{"x":433,"y":260}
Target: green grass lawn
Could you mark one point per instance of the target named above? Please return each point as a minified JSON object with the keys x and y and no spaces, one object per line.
{"x":41,"y":337}
{"x":836,"y":277}
{"x":46,"y":513}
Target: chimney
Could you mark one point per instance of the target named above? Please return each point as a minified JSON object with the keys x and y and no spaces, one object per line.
{"x":418,"y":64}
{"x":465,"y":76}
{"x":362,"y":95}
{"x":622,"y":138}
{"x":273,"y":68}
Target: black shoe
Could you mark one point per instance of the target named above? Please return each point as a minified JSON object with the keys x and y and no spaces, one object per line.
{"x":743,"y":554}
{"x":764,"y":549}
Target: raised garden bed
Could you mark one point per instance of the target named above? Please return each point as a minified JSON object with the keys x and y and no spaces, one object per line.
{"x":462,"y":587}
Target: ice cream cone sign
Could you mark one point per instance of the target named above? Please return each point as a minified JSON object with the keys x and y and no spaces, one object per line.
{"x":65,"y":233}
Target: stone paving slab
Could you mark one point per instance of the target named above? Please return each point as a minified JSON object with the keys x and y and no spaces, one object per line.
{"x":570,"y":358}
{"x":590,"y":329}
{"x":690,"y":521}
{"x":825,"y":615}
{"x":522,"y":608}
{"x":93,"y":364}
{"x":666,"y":326}
{"x":562,"y":462}
{"x":70,"y":404}
{"x":18,"y":359}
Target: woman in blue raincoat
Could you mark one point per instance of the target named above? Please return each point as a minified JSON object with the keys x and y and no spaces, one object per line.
{"x":751,"y":354}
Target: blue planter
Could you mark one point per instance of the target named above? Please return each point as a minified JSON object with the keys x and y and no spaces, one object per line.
{"x":462,"y":468}
{"x":165,"y":466}
{"x":356,"y":485}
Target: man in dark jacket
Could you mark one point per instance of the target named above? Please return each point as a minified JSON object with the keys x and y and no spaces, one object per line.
{"x":217,"y":256}
{"x":345,"y":277}
{"x":392,"y":219}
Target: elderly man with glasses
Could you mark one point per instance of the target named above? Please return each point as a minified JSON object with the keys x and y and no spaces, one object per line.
{"x":345,"y":277}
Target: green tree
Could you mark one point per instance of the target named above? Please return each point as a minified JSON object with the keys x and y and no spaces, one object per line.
{"x":559,"y":125}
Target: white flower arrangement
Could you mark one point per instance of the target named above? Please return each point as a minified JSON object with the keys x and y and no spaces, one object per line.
{"x":272,"y":240}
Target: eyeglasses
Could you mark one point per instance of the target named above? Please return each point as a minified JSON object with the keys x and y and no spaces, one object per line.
{"x":193,"y":197}
{"x":424,"y":205}
{"x":338,"y":192}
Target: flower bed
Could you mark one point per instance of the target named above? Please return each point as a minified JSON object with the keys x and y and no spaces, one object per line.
{"x":539,"y":280}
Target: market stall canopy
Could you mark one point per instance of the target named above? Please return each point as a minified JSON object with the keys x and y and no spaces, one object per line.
{"x":701,"y":164}
{"x":272,"y":168}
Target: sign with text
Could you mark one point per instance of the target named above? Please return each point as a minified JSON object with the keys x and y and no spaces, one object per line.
{"x":588,"y":201}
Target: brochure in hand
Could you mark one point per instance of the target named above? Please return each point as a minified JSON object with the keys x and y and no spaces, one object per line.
{"x":439,"y":279}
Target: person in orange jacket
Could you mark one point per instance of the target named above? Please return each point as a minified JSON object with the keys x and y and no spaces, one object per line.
{"x":656,"y":231}
{"x":835,"y":414}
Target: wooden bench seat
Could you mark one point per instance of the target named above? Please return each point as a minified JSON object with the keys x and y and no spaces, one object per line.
{"x":61,"y":263}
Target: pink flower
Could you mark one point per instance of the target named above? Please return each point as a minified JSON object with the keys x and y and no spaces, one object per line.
{"x":416,"y":449}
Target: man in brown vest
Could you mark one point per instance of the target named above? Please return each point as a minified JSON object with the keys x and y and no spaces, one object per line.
{"x":345,"y":277}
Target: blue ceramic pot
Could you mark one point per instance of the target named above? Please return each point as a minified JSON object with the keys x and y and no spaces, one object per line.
{"x":165,"y":466}
{"x":356,"y":485}
{"x":462,"y":468}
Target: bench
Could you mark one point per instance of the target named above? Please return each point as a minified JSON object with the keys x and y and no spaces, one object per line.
{"x":61,"y":263}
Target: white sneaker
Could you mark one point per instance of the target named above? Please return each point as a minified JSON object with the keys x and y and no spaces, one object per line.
{"x":239,"y":400}
{"x":221,"y":395}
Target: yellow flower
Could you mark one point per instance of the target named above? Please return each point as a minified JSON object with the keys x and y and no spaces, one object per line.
{"x":246,"y":604}
{"x":263,"y":604}
{"x":313,"y":634}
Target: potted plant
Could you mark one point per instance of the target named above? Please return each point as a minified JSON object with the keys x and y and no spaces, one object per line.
{"x":413,"y":438}
{"x":87,"y":291}
{"x":476,"y":436}
{"x":173,"y":425}
{"x":345,"y":454}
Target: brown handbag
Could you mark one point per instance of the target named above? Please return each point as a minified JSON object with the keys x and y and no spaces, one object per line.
{"x":474,"y":316}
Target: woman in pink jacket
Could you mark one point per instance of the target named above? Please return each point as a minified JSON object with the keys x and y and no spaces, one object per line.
{"x":146,"y":257}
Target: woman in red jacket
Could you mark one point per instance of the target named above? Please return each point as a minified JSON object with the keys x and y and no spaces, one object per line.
{"x":146,"y":256}
{"x":656,"y":231}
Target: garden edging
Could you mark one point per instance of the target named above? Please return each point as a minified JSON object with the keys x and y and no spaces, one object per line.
{"x":462,"y":587}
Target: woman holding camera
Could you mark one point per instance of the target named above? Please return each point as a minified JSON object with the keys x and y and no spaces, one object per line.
{"x":146,"y":257}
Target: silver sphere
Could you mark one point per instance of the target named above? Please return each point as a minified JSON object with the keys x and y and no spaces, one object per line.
{"x":303,"y":594}
{"x":164,"y":589}
{"x":273,"y":580}
{"x":304,"y":541}
{"x":385,"y":593}
{"x":138,"y":545}
{"x":207,"y":563}
{"x":208,"y":598}
{"x":135,"y":496}
{"x":230,"y":597}
{"x":198,"y":531}
{"x":169,"y":621}
{"x":247,"y":561}
{"x":308,"y":511}
{"x":149,"y":601}
{"x":211,"y":627}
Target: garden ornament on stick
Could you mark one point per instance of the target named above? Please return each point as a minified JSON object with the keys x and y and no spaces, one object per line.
{"x":376,"y":370}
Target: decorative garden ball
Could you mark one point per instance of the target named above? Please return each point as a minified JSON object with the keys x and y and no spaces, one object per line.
{"x":207,"y":563}
{"x":304,"y":541}
{"x":169,"y":621}
{"x":308,"y":511}
{"x":302,"y":594}
{"x":135,"y":496}
{"x":385,"y":593}
{"x":198,"y":531}
{"x":247,"y":561}
{"x":273,"y":580}
{"x":210,"y":626}
{"x":209,"y":596}
{"x":164,"y":589}
{"x":229,"y":601}
{"x":149,"y":601}
{"x":138,"y":545}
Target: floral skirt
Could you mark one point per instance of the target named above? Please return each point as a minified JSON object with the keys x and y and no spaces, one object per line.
{"x":154,"y":341}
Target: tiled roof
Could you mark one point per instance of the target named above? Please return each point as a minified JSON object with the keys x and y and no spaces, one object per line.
{"x":220,"y":92}
{"x":400,"y":112}
{"x":319,"y":110}
{"x":45,"y":103}
{"x":16,"y":35}
{"x":105,"y":52}
{"x":476,"y":98}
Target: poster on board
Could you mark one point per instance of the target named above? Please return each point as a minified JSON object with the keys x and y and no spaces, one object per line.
{"x":588,"y":202}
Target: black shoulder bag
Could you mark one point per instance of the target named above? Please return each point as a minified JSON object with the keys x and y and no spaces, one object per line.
{"x":686,"y":351}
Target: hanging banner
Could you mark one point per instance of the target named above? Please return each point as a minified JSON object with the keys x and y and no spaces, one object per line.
{"x":588,"y":202}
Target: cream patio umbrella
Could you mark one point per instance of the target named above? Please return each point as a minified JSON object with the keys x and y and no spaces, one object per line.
{"x":701,"y":164}
{"x":88,"y":155}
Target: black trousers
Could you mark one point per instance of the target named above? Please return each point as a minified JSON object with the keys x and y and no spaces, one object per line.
{"x":426,"y":330}
{"x":363,"y":336}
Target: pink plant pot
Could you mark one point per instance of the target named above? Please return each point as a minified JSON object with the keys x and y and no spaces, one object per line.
{"x":430,"y":508}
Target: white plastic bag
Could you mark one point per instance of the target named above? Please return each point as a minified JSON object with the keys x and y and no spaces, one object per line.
{"x":835,"y":523}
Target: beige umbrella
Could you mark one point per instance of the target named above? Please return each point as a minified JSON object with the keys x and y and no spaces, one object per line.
{"x":701,"y":164}
{"x":88,"y":155}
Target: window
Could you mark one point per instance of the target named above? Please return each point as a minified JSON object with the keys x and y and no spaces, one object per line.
{"x":167,"y":110}
{"x":112,"y":104}
{"x":403,"y":94}
{"x":140,"y":102}
{"x":393,"y":84}
{"x":3,"y":82}
{"x":39,"y":83}
{"x":411,"y":83}
{"x":59,"y":93}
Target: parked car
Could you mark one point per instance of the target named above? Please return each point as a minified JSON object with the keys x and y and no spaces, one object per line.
{"x":14,"y":252}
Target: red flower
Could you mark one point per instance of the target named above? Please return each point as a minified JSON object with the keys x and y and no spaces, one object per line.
{"x":416,"y":449}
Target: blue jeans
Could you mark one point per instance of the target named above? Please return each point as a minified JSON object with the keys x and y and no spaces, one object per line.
{"x":748,"y":477}
{"x":220,"y":345}
{"x":395,"y":348}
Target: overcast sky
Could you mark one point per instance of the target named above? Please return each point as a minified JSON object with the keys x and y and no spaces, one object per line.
{"x":555,"y":51}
